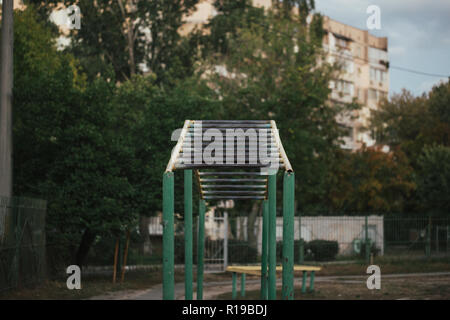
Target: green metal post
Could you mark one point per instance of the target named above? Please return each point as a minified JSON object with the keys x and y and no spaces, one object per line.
{"x":188,"y":234}
{"x":367,"y":244}
{"x":304,"y":281}
{"x":428,"y":243}
{"x":301,"y":255}
{"x":233,"y":286}
{"x":287,"y":291}
{"x":272,"y":294}
{"x":243,"y":285}
{"x":168,"y":236}
{"x":311,"y":281}
{"x":200,"y":248}
{"x":265,"y":236}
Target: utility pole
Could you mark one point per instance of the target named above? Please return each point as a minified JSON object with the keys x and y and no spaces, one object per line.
{"x":6,"y":84}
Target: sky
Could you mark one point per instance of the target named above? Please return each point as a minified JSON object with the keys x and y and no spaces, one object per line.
{"x":418,"y":34}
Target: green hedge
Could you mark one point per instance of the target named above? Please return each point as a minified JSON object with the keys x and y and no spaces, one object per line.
{"x":322,"y":250}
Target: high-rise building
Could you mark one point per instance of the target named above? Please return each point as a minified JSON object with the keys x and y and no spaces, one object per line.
{"x":364,"y":76}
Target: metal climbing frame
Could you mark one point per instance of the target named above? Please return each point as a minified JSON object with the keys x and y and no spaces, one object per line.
{"x":236,"y":168}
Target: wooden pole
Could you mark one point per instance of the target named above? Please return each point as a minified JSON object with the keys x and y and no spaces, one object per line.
{"x":116,"y":252}
{"x":125,"y":256}
{"x":6,"y":85}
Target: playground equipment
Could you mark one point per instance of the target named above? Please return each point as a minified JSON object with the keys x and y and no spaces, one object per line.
{"x":255,"y":270}
{"x":257,"y":160}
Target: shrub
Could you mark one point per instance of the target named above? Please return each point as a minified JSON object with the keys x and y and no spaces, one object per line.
{"x":322,"y":250}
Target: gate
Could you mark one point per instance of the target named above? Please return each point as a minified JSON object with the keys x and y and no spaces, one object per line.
{"x":216,"y":242}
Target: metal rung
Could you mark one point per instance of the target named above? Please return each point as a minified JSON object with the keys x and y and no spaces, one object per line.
{"x":243,"y":192}
{"x":229,"y":173}
{"x":234,"y":197}
{"x":232,"y":121}
{"x":233,"y":186}
{"x":233,"y":125}
{"x":233,"y":180}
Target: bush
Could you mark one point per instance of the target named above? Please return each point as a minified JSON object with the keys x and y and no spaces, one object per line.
{"x":296,"y":251}
{"x":240,"y":251}
{"x":322,"y":250}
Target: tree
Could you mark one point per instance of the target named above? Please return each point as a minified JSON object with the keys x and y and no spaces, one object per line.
{"x":433,"y":179}
{"x":271,"y":70}
{"x":371,"y":181}
{"x":66,"y":149}
{"x":125,"y":34}
{"x":412,"y":122}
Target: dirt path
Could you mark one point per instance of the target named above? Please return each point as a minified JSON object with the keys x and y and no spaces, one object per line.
{"x":394,"y":286}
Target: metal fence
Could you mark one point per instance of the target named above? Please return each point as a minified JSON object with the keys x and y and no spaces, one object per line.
{"x":26,"y":258}
{"x":238,"y":240}
{"x":22,"y":242}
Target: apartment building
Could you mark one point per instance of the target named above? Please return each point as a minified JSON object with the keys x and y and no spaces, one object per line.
{"x":365,"y":75}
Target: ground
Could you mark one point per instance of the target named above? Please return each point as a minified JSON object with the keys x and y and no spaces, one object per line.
{"x":424,"y":279}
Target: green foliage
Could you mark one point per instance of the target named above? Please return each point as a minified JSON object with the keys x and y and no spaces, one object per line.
{"x":433,"y":179}
{"x":270,"y":71}
{"x":66,"y":147}
{"x":124,"y":34}
{"x":420,"y":127}
{"x":371,"y":180}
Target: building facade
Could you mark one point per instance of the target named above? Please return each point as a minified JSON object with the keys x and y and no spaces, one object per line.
{"x":364,"y":77}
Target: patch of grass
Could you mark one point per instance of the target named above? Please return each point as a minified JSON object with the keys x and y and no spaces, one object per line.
{"x":90,"y":286}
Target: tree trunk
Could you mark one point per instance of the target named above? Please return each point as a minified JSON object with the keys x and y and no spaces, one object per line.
{"x":251,"y":225}
{"x":86,"y":242}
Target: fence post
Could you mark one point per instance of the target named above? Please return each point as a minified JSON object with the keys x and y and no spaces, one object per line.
{"x":188,"y":234}
{"x":200,"y":248}
{"x":225,"y":241}
{"x":367,"y":245}
{"x":168,"y":236}
{"x":233,"y":285}
{"x":272,"y":237}
{"x":288,"y":236}
{"x":265,"y":235}
{"x":301,"y":255}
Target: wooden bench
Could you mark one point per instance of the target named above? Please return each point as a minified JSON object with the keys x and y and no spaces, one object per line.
{"x":256,"y":271}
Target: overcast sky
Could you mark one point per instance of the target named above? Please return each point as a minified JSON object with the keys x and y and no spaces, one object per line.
{"x":418,"y":34}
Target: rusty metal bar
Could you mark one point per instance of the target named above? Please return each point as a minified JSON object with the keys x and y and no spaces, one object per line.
{"x":287,"y":164}
{"x":176,"y":151}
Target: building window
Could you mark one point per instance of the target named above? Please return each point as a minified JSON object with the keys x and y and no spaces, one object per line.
{"x":377,"y":95}
{"x":377,"y":75}
{"x":372,"y":94}
{"x":344,"y":87}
